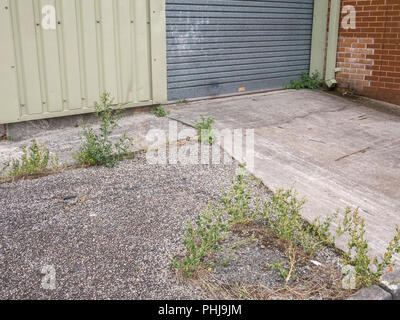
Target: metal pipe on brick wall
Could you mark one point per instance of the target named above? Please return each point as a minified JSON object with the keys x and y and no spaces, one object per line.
{"x":334,"y":21}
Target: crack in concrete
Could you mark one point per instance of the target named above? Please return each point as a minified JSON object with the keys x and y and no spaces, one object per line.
{"x":354,"y":153}
{"x":307,"y":115}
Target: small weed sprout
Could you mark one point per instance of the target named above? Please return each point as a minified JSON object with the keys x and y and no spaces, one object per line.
{"x":35,"y":160}
{"x":306,"y":82}
{"x":204,"y":130}
{"x":160,"y":112}
{"x":287,"y":273}
{"x":97,"y":148}
{"x":279,"y":266}
{"x":368,"y":271}
{"x":182,"y":101}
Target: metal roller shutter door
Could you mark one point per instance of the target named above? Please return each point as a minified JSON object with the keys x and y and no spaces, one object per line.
{"x":218,"y":47}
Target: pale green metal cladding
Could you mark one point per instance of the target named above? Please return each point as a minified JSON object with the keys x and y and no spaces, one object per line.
{"x":117,"y":46}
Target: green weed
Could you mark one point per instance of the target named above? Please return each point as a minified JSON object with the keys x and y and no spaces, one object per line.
{"x":306,"y":82}
{"x":34,"y":160}
{"x":237,"y":201}
{"x":201,"y":239}
{"x":368,"y":270}
{"x":160,"y":112}
{"x":97,"y":148}
{"x":282,"y":215}
{"x":205,"y":131}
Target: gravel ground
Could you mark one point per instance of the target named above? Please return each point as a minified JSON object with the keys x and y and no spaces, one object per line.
{"x":109,"y":233}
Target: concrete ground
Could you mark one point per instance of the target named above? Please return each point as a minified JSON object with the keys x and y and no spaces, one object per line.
{"x":335,"y":152}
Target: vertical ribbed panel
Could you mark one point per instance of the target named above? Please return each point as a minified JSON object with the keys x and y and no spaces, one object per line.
{"x":98,"y":45}
{"x":224,"y":46}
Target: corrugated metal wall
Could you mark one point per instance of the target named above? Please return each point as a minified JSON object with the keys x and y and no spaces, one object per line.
{"x":98,"y":45}
{"x":223,"y":46}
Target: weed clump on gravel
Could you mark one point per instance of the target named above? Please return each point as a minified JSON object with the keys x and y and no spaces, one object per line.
{"x":201,"y":239}
{"x":213,"y":225}
{"x":35,"y":159}
{"x":97,"y":148}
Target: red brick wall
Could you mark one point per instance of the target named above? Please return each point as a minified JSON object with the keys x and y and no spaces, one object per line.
{"x":370,"y":54}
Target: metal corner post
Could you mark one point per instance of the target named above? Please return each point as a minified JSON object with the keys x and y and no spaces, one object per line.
{"x":318,"y":44}
{"x":334,"y":21}
{"x":158,"y":51}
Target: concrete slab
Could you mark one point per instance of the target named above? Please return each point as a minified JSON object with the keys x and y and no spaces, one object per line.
{"x":334,"y":151}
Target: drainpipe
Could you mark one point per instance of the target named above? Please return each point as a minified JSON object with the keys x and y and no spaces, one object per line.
{"x":334,"y":21}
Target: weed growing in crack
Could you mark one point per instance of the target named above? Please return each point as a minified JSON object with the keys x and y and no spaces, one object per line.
{"x":97,"y":148}
{"x":182,"y":101}
{"x":160,"y":112}
{"x":204,"y":130}
{"x":368,"y":271}
{"x":34,"y":160}
{"x":282,"y":215}
{"x":306,"y":82}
